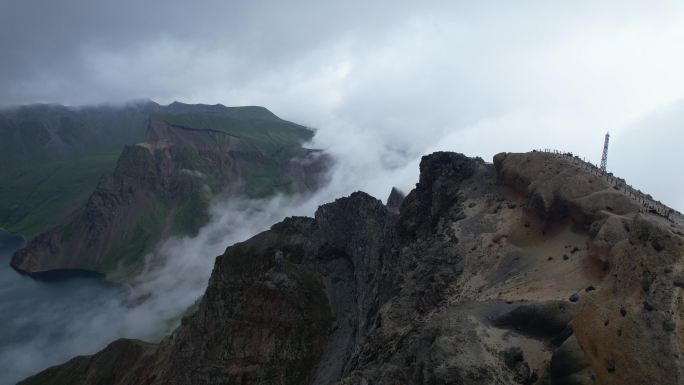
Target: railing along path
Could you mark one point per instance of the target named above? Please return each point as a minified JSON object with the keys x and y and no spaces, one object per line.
{"x":646,"y":201}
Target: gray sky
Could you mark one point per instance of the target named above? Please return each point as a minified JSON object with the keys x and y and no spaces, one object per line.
{"x":383,"y":82}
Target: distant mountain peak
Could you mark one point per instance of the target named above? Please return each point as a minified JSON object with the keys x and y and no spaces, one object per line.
{"x":239,"y":112}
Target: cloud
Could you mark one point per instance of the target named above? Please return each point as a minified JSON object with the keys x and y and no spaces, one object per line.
{"x":657,"y":170}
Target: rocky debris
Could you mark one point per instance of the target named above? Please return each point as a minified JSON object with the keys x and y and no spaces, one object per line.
{"x":678,"y":281}
{"x":646,"y":285}
{"x":669,"y":325}
{"x":446,"y":292}
{"x":649,"y":305}
{"x":574,"y":297}
{"x":515,"y":361}
{"x":543,"y":319}
{"x":512,"y":356}
{"x":569,"y":365}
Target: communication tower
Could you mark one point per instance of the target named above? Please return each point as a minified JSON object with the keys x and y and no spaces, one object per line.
{"x":604,"y":157}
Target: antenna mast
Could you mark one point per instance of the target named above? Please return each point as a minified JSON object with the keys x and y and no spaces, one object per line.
{"x":604,"y":157}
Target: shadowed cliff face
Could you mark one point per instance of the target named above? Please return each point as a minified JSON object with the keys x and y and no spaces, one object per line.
{"x":527,"y":271}
{"x":163,"y":187}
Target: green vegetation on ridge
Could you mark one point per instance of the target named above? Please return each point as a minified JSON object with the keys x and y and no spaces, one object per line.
{"x":101,"y":205}
{"x":42,"y":196}
{"x":51,"y":157}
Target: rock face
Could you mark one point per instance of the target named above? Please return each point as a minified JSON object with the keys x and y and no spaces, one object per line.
{"x":162,"y":187}
{"x":52,"y":157}
{"x":394,"y":200}
{"x":469,"y":284}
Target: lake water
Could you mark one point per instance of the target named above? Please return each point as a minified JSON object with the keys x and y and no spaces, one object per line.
{"x":40,"y":322}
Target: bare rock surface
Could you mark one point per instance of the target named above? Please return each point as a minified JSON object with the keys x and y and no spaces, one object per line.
{"x":470,"y":283}
{"x":394,"y":200}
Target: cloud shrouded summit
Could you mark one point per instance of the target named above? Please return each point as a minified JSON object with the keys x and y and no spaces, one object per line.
{"x":384,"y":82}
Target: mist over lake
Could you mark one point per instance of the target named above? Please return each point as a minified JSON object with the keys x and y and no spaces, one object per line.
{"x":40,"y":320}
{"x":74,"y":314}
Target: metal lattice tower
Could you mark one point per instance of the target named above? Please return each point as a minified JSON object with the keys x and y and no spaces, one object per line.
{"x":604,"y":157}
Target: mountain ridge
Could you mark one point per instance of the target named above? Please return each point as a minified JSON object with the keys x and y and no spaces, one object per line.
{"x":52,"y":156}
{"x":524,"y":271}
{"x":162,"y":186}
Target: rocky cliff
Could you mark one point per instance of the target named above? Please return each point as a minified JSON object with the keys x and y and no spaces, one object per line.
{"x":525,"y":271}
{"x":52,"y":157}
{"x":163,"y":186}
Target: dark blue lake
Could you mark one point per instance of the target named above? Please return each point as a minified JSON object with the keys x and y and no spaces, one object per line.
{"x":43,"y":323}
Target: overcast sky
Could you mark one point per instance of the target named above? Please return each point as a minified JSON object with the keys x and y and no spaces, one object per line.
{"x":383,"y":82}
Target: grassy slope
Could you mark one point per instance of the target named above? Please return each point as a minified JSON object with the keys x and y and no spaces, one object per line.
{"x":45,"y":194}
{"x":41,"y":184}
{"x":41,"y":194}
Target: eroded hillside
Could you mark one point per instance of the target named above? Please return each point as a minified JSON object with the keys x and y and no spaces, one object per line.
{"x":163,"y":186}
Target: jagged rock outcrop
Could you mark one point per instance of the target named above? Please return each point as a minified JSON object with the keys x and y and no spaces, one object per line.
{"x":162,"y":187}
{"x":394,"y":200}
{"x":511,"y":273}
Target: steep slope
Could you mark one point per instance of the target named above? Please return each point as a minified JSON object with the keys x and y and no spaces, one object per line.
{"x":51,"y":158}
{"x":527,"y":271}
{"x":162,"y":187}
{"x":46,"y":132}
